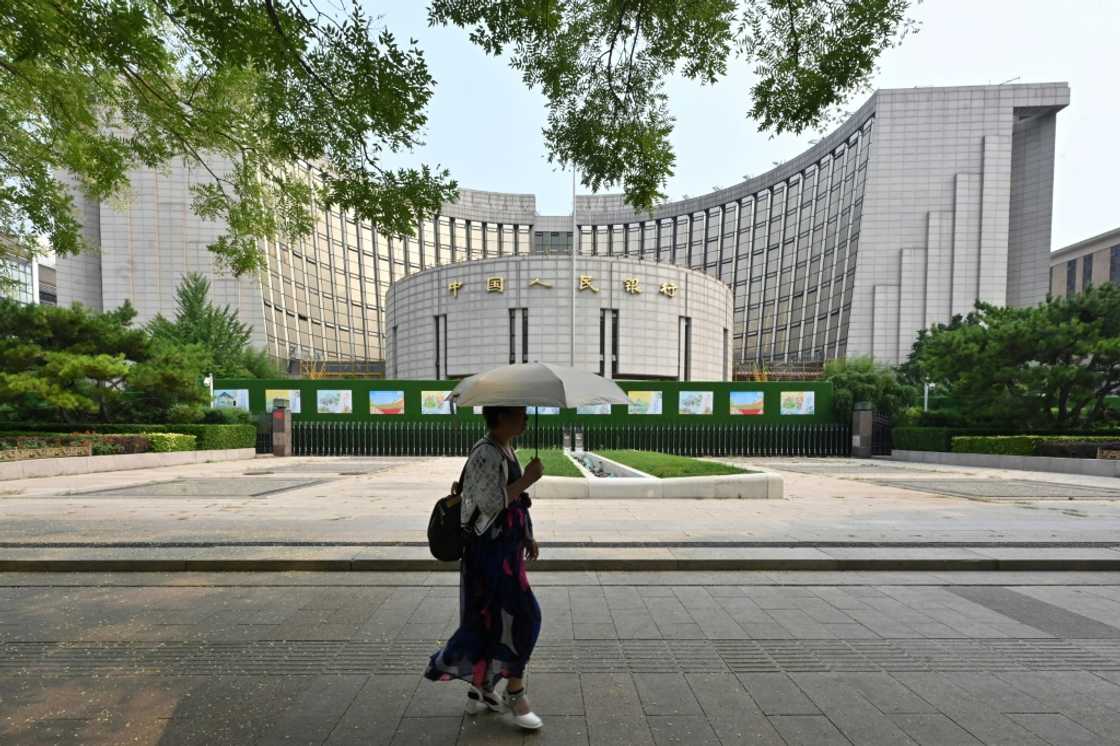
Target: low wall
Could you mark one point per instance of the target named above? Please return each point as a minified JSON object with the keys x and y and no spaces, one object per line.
{"x":757,"y":486}
{"x":1094,"y":467}
{"x":61,"y":467}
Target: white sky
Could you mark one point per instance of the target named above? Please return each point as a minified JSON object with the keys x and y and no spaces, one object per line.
{"x":486,"y":126}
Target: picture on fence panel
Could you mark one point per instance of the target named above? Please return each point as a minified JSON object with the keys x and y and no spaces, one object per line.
{"x":292,"y":395}
{"x":334,"y":401}
{"x":386,"y":402}
{"x":542,"y":410}
{"x":644,"y":402}
{"x":595,"y":409}
{"x":747,"y":403}
{"x":435,"y":402}
{"x":230,"y":399}
{"x":695,"y":402}
{"x":798,"y":402}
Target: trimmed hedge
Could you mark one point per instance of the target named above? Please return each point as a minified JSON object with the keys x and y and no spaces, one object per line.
{"x":169,"y":442}
{"x":215,"y":437}
{"x":1061,"y":446}
{"x":100,"y":444}
{"x":921,"y":438}
{"x":207,"y":437}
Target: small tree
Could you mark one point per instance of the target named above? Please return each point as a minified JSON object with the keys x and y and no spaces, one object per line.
{"x":217,"y":331}
{"x":1052,"y":366}
{"x":71,"y":364}
{"x":861,"y":379}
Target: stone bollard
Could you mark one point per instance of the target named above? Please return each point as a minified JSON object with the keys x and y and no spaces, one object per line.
{"x":281,"y":428}
{"x":863,"y":425}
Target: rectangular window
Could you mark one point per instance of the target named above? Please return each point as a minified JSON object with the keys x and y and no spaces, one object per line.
{"x":1086,"y":271}
{"x":614,"y":344}
{"x":438,"y":376}
{"x":725,"y":351}
{"x":1114,"y":266}
{"x":684,"y":366}
{"x":602,"y":341}
{"x":1071,"y":277}
{"x":524,"y":335}
{"x":512,"y":336}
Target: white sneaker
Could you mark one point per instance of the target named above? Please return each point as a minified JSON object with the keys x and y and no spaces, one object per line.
{"x":528,"y":721}
{"x":479,"y":701}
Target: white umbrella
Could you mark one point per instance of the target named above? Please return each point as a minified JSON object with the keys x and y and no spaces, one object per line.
{"x":536,"y":384}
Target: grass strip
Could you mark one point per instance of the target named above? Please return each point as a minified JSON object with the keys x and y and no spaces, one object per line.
{"x":555,"y":463}
{"x":668,"y":466}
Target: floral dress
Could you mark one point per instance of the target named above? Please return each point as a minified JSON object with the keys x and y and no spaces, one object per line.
{"x":499,"y":618}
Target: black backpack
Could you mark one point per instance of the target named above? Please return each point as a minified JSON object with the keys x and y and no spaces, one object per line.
{"x":445,"y":529}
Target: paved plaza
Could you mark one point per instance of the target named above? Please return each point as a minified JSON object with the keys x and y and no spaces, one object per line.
{"x":643,"y":657}
{"x":624,"y":658}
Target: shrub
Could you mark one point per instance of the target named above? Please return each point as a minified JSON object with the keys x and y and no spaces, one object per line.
{"x":168,"y":442}
{"x":1000,"y":445}
{"x":921,"y":438}
{"x":214,"y":437}
{"x":228,"y":416}
{"x":1077,"y":446}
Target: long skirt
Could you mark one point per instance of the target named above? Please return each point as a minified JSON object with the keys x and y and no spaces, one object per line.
{"x":499,"y":618}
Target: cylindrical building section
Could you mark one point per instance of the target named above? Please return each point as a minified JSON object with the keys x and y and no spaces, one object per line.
{"x":633,"y":319}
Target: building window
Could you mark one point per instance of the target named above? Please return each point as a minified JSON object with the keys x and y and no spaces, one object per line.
{"x":524,"y":335}
{"x":1114,"y":265}
{"x":1071,"y":277}
{"x":512,"y":336}
{"x":684,"y":369}
{"x":1086,"y":271}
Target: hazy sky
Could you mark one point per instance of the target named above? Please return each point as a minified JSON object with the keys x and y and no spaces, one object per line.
{"x":485,"y":125}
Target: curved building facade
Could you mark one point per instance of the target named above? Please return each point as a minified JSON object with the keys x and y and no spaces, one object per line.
{"x":924,"y":201}
{"x":633,"y":319}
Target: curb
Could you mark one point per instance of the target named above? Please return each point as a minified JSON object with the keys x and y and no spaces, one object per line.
{"x":563,"y":565}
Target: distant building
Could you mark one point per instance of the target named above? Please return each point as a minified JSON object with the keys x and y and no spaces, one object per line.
{"x":924,"y":201}
{"x":1093,"y":261}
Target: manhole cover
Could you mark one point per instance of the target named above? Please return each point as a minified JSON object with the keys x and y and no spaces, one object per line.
{"x":236,"y":487}
{"x":1005,"y":489}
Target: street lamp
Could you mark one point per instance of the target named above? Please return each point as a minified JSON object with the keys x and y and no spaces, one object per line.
{"x":925,"y":395}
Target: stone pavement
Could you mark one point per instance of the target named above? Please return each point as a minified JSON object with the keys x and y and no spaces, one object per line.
{"x":371,"y":513}
{"x":624,"y":658}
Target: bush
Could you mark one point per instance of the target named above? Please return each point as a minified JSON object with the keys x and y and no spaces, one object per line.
{"x":215,"y":437}
{"x":1077,"y":446}
{"x":1060,"y":446}
{"x":228,"y":416}
{"x":169,"y":442}
{"x":1000,"y":445}
{"x":921,"y":438}
{"x":100,"y":444}
{"x":208,"y":437}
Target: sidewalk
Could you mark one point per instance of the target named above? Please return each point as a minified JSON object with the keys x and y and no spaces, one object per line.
{"x":371,"y":514}
{"x":793,"y":659}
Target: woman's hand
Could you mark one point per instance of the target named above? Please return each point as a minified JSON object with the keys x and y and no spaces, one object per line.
{"x":534,"y":470}
{"x":532,"y":550}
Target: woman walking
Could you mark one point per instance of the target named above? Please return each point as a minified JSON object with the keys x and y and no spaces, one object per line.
{"x":499,"y":618}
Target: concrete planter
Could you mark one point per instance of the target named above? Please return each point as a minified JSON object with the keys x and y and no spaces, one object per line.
{"x":1087,"y":466}
{"x":754,"y":486}
{"x":23,"y":454}
{"x":60,"y":467}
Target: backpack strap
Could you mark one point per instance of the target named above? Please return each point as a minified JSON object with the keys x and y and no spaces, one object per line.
{"x":459,"y":486}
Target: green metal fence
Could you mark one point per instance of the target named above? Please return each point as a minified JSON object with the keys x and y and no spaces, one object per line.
{"x":456,"y":438}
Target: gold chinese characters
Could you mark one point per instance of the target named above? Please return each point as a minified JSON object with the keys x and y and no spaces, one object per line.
{"x":496,"y":285}
{"x":631,"y":286}
{"x":585,"y":283}
{"x":669,"y":289}
{"x":454,"y":287}
{"x":538,"y":282}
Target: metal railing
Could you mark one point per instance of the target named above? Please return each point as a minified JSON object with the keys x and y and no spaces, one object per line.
{"x":264,"y":442}
{"x":455,"y":439}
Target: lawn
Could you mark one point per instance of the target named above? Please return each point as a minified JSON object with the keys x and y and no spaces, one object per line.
{"x":667,"y":466}
{"x":555,"y":463}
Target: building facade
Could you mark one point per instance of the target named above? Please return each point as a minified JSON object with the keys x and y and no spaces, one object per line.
{"x":1078,"y":266}
{"x":633,"y":319}
{"x":924,"y":201}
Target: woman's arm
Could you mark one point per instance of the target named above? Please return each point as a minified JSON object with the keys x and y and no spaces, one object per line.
{"x":533,"y":472}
